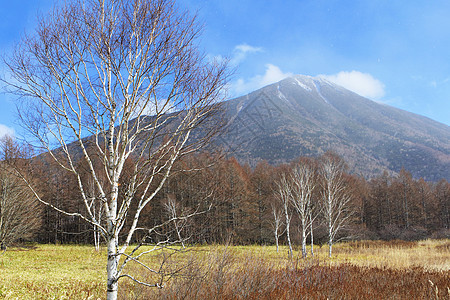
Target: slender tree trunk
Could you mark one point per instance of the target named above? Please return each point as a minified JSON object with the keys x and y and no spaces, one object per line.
{"x":424,"y":209}
{"x":311,"y":232}
{"x":95,"y":239}
{"x":405,"y":207}
{"x":303,"y":243}
{"x":112,"y":246}
{"x":288,"y":225}
{"x":276,"y":225}
{"x":330,"y":240}
{"x":330,"y":247}
{"x":389,"y":209}
{"x":276,"y":239}
{"x":113,"y":261}
{"x":260,"y":225}
{"x":288,"y":235}
{"x":178,"y":229}
{"x":303,"y":239}
{"x":446,"y":214}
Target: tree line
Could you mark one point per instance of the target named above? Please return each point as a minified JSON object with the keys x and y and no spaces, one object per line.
{"x":309,"y":199}
{"x":120,"y":99}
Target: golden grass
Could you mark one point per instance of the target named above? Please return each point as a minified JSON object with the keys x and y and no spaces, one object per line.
{"x":78,"y":272}
{"x":433,"y":255}
{"x":52,"y":272}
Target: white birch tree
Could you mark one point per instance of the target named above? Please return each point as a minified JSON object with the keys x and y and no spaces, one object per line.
{"x":335,"y":197}
{"x":277,"y":223}
{"x":117,"y":80}
{"x":172,"y":211}
{"x":302,"y":186}
{"x":284,"y":194}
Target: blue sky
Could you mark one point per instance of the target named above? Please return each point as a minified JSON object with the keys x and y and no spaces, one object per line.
{"x":394,"y":51}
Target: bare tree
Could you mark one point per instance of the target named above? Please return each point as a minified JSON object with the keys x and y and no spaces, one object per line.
{"x":90,"y":76}
{"x":335,"y":197}
{"x":277,"y":224}
{"x":19,"y":211}
{"x":302,"y":186}
{"x":284,"y":194}
{"x":311,"y":228}
{"x":97,"y":210}
{"x":172,"y":210}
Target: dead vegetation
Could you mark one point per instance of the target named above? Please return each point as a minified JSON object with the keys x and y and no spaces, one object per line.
{"x":357,"y":270}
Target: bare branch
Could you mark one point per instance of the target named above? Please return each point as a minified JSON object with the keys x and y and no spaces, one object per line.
{"x":110,"y":83}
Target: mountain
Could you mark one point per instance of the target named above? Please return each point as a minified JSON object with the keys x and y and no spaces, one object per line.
{"x":307,"y":116}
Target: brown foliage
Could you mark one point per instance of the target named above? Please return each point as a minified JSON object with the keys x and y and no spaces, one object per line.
{"x":19,"y":212}
{"x":228,"y":276}
{"x":241,"y":199}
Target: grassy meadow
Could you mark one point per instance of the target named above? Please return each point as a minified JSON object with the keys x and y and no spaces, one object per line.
{"x":357,"y":270}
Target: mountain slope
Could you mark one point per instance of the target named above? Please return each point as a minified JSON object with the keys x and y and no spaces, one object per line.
{"x":306,"y":116}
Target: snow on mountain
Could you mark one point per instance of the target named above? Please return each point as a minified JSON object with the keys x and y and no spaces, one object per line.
{"x":301,"y":84}
{"x":304,"y":115}
{"x":280,"y":94}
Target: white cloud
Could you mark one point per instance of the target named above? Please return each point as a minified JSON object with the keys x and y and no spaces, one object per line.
{"x":247,"y":48}
{"x":241,"y":51}
{"x":363,"y":84}
{"x":272,"y":74}
{"x":5,"y":130}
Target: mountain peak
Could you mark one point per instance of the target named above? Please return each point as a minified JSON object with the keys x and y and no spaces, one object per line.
{"x":307,"y":116}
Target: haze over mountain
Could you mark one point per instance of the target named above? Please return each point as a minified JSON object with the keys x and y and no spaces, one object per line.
{"x":307,"y":116}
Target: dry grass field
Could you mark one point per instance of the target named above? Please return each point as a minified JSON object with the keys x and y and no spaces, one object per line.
{"x":357,"y":270}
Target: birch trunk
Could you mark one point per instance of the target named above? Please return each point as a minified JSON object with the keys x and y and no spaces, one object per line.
{"x":288,"y":235}
{"x":330,"y":240}
{"x":311,"y":229}
{"x":335,"y":196}
{"x":113,"y":82}
{"x":276,"y":225}
{"x":284,"y":194}
{"x":330,"y":248}
{"x":302,"y":186}
{"x":303,"y":241}
{"x":276,"y":240}
{"x":112,"y":268}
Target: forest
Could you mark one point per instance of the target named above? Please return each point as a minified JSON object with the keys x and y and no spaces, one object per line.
{"x":229,"y":201}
